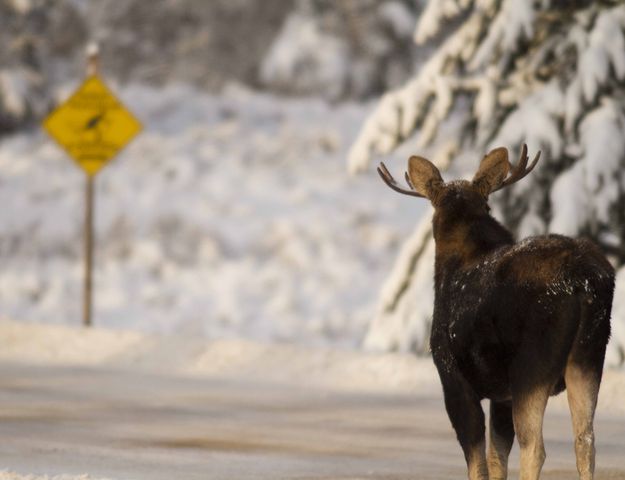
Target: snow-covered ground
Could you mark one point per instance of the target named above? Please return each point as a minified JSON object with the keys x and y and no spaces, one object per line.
{"x":229,"y":216}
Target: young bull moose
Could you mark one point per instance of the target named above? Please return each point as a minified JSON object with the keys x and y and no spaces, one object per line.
{"x":513,"y":322}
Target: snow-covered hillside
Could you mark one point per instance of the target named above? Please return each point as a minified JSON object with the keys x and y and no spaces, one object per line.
{"x":227,"y":216}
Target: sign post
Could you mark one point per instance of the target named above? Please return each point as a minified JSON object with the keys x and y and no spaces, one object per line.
{"x":88,"y":280}
{"x":92,"y":126}
{"x":92,"y":70}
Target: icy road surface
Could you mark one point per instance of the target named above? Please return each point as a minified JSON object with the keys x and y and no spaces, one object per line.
{"x":125,"y":424}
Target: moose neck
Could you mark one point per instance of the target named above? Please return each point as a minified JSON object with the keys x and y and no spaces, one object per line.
{"x":465,"y":239}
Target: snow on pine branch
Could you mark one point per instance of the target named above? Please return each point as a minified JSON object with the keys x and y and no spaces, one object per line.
{"x":486,"y":42}
{"x":424,"y":102}
{"x":597,"y":172}
{"x":435,"y":14}
{"x":403,"y":110}
{"x":513,"y":23}
{"x":605,"y":50}
{"x":600,"y":52}
{"x":535,"y":122}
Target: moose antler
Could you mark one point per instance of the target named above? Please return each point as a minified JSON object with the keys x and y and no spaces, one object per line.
{"x":390,"y":181}
{"x":519,"y":170}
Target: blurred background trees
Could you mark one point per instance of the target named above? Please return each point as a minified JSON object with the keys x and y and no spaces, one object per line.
{"x":350,"y":49}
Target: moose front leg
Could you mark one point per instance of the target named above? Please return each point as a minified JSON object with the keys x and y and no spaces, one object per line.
{"x":467,"y":418}
{"x":501,"y":436}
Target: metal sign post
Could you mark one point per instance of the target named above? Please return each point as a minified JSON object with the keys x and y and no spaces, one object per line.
{"x":91,"y":70}
{"x":87,"y":291}
{"x":92,"y":126}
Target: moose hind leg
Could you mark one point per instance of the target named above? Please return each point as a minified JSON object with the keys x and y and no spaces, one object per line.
{"x":528,"y":410}
{"x":501,"y":436}
{"x":582,"y":391}
{"x":467,"y":418}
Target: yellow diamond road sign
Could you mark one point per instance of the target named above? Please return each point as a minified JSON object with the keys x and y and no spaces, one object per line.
{"x":92,"y":125}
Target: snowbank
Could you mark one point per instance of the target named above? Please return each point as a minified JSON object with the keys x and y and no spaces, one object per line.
{"x":228,"y":216}
{"x":321,"y":367}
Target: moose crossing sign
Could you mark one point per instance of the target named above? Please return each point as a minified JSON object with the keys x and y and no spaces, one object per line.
{"x":92,"y":125}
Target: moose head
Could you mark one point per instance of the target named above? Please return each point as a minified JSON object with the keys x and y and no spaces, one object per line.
{"x":425,"y":180}
{"x":462,"y":224}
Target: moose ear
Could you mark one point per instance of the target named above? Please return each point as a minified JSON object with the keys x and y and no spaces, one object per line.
{"x":424,"y":177}
{"x":493,"y":170}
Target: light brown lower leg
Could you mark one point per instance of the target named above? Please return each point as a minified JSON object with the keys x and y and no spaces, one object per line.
{"x":582,"y":391}
{"x":476,"y":462}
{"x":527,"y":413}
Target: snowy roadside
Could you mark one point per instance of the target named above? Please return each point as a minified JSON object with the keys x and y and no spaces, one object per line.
{"x":318,"y":367}
{"x":312,"y":367}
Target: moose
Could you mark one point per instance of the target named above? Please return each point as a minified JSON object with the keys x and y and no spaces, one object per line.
{"x":514,"y":322}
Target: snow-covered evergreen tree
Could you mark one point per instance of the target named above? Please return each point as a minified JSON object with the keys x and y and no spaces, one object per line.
{"x":549,"y":73}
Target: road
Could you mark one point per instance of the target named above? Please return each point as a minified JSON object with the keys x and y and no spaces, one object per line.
{"x":126,"y":424}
